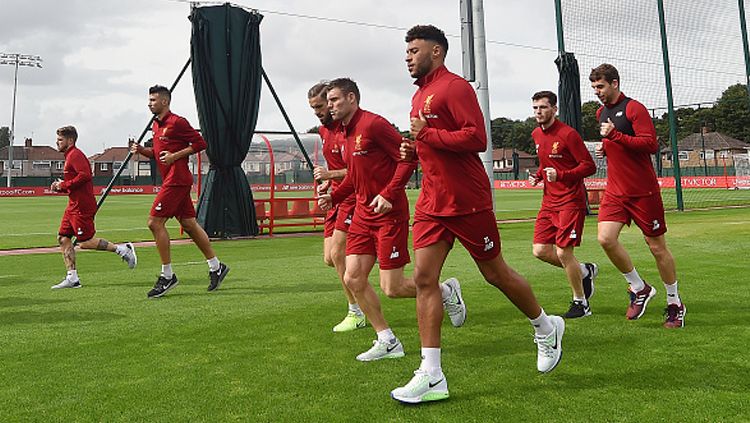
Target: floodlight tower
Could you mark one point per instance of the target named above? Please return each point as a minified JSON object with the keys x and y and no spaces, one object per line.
{"x":16,"y":60}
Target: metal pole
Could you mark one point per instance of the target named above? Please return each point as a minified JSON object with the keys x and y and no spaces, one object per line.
{"x":670,"y":106}
{"x":12,"y":126}
{"x":559,"y":22}
{"x":743,"y":26}
{"x":482,"y":86}
{"x":106,"y":191}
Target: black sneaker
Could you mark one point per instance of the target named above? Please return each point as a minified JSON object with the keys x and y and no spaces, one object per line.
{"x":215,"y":278}
{"x":588,"y":281}
{"x":577,"y":309}
{"x":162,"y":286}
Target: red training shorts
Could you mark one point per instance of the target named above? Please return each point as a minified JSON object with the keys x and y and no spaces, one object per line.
{"x":173,"y":201}
{"x":563,"y":228}
{"x":387,"y":240}
{"x":477,"y":232}
{"x":77,"y":225}
{"x":340,"y":217}
{"x":647,"y":212}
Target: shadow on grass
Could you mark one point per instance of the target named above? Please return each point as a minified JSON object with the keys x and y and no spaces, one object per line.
{"x":23,"y":301}
{"x":26,"y":317}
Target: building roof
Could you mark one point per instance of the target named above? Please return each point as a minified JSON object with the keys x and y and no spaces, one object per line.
{"x":711,"y":140}
{"x":37,"y":152}
{"x":115,"y":154}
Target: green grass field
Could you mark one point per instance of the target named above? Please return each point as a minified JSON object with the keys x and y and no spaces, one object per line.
{"x":261,"y":348}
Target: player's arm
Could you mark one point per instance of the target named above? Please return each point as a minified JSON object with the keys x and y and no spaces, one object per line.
{"x":390,"y":141}
{"x":193,"y":137}
{"x":83,"y":174}
{"x":343,"y":191}
{"x":585,"y":167}
{"x":644,"y":140}
{"x":324,"y":174}
{"x":471,"y":135}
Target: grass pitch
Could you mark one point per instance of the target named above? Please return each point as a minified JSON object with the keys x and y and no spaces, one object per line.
{"x":261,"y":347}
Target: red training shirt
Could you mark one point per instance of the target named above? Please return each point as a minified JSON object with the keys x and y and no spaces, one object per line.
{"x":561,"y":148}
{"x":333,"y":152}
{"x":455,"y":182}
{"x":173,"y":134}
{"x":78,"y":184}
{"x":375,"y":167}
{"x":630,"y":171}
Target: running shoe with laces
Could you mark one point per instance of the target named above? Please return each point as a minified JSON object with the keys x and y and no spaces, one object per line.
{"x":351,"y":322}
{"x":638,"y":301}
{"x":454,"y":304}
{"x":67,"y":283}
{"x":162,"y":286}
{"x":675,"y":316}
{"x":577,"y":309}
{"x":422,"y":388}
{"x":216,"y":277}
{"x":381,"y":349}
{"x":549,"y":347}
{"x":588,"y":281}
{"x":130,"y":257}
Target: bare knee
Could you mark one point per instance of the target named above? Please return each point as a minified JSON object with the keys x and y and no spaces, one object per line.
{"x":354,"y":282}
{"x":541,"y":251}
{"x":658,"y":248}
{"x":154,"y":224}
{"x":608,"y":242}
{"x":336,"y":255}
{"x":424,"y":279}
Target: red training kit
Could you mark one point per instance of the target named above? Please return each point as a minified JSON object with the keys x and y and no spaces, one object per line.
{"x":454,"y":182}
{"x":629,"y":147}
{"x":77,"y":183}
{"x":561,"y":148}
{"x":372,"y":152}
{"x":173,"y":134}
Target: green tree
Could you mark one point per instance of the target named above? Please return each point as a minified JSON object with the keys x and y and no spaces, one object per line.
{"x":4,"y":136}
{"x":590,"y":127}
{"x":731,"y":114}
{"x":314,"y":130}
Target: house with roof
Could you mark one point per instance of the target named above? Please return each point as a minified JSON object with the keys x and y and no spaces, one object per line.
{"x":109,"y":161}
{"x":33,"y":160}
{"x":705,"y":148}
{"x":502,"y":161}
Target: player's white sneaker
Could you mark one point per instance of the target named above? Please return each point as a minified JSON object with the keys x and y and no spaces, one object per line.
{"x":422,"y":388}
{"x":549,"y":347}
{"x":67,"y":283}
{"x":130,"y":257}
{"x":454,"y":304}
{"x":381,"y":349}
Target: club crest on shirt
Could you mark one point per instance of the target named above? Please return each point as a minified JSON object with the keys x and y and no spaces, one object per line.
{"x":427,"y":109}
{"x":358,"y":143}
{"x":555,"y":145}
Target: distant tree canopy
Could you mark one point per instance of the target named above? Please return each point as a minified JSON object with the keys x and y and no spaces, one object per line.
{"x":4,"y":136}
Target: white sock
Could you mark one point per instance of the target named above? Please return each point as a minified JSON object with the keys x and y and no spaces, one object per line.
{"x":386,"y":335}
{"x":213,"y":264}
{"x":542,"y":324}
{"x":635,"y":281}
{"x":72,"y":275}
{"x":672,"y":296}
{"x":166,"y":270}
{"x":354,"y":308}
{"x":431,"y":361}
{"x":584,"y":270}
{"x":581,"y":300}
{"x":445,"y":291}
{"x":121,"y":250}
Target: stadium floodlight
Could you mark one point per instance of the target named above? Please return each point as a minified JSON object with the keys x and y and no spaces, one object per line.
{"x":16,"y":60}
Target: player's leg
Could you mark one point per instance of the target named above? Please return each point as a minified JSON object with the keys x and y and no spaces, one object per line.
{"x":217,"y":270}
{"x":543,"y":246}
{"x":393,"y":255}
{"x":579,"y":307}
{"x":67,"y":248}
{"x":167,"y":279}
{"x":125,"y":251}
{"x":336,"y":249}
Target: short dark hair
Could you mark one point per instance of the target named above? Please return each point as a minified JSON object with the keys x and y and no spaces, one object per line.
{"x":427,"y":32}
{"x":346,"y":86}
{"x":68,"y":131}
{"x":161,"y":91}
{"x":318,"y":90}
{"x":549,"y":95}
{"x":606,"y":72}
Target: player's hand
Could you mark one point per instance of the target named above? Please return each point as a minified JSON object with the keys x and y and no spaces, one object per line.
{"x":322,"y":188}
{"x":55,"y":186}
{"x":380,"y":205}
{"x":407,"y":150}
{"x":599,"y":151}
{"x":606,"y":127}
{"x":324,"y":202}
{"x":417,"y":124}
{"x":533,"y":180}
{"x":167,"y":158}
{"x":320,"y":173}
{"x":551,"y":174}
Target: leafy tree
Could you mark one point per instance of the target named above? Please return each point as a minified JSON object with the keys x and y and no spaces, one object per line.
{"x":590,"y":127}
{"x":314,"y":130}
{"x":4,"y":136}
{"x":731,"y":114}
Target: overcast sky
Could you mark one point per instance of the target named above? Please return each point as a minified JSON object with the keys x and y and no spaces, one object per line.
{"x":101,"y":56}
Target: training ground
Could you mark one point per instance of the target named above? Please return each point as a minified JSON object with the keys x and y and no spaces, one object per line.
{"x":261,"y":348}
